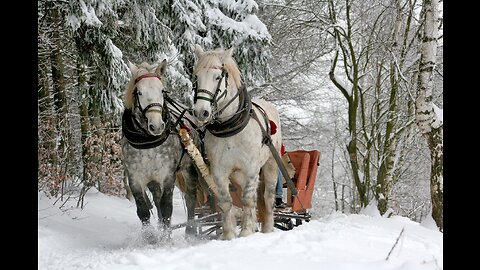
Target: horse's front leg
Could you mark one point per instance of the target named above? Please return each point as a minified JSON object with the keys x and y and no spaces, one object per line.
{"x":166,"y":206}
{"x":143,"y":209}
{"x":143,"y":206}
{"x":163,"y":201}
{"x":249,"y":201}
{"x":225,"y":205}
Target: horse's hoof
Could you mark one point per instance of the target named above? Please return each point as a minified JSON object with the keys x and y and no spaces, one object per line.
{"x":267,"y":227}
{"x":148,"y":235}
{"x":190,"y":230}
{"x":164,"y":234}
{"x":245,"y":233}
{"x":191,"y":238}
{"x":227,"y":236}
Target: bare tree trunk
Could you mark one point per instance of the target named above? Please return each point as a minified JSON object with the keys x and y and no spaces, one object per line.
{"x":83,"y":90}
{"x":333,"y":180}
{"x":84,"y":116}
{"x":352,"y":127}
{"x":385,"y":172}
{"x":66,"y":99}
{"x":58,"y":80}
{"x":94,"y":110}
{"x":352,"y":99}
{"x":75,"y":134}
{"x":390,"y":158}
{"x":428,"y":119}
{"x":43,"y":88}
{"x":387,"y":167}
{"x":59,"y":98}
{"x":57,"y":65}
{"x":46,"y":110}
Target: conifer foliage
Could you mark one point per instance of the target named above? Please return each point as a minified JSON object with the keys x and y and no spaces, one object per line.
{"x":83,"y":50}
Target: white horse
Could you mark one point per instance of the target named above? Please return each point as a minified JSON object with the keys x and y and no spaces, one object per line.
{"x":234,"y":142}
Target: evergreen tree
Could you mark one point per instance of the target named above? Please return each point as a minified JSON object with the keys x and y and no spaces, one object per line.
{"x":84,"y":46}
{"x":235,"y":24}
{"x":95,"y":25}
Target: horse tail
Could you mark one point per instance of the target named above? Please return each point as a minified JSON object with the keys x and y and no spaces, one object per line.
{"x":180,"y":182}
{"x":261,"y":209}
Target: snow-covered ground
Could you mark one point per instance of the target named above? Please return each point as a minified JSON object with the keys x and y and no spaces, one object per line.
{"x":105,"y":235}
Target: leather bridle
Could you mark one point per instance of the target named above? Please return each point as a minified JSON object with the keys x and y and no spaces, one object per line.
{"x":136,"y":95}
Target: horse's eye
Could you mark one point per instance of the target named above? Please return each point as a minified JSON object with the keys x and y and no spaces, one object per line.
{"x":139,"y":93}
{"x":219,"y":77}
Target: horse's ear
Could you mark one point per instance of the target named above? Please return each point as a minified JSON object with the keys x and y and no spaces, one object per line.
{"x":198,"y":50}
{"x":161,"y":68}
{"x":133,"y":67}
{"x":226,"y":54}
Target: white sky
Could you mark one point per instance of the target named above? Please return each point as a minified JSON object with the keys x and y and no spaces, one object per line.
{"x":105,"y":235}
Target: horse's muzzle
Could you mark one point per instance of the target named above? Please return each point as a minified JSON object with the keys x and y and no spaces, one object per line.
{"x":201,"y":115}
{"x":156,"y":129}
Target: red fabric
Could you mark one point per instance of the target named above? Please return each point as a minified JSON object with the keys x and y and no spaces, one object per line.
{"x":273,"y":130}
{"x":273,"y":127}
{"x":182,"y":125}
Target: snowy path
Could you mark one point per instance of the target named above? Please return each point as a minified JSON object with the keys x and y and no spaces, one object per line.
{"x":105,"y":235}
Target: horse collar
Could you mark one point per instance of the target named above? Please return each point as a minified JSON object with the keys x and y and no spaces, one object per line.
{"x":138,"y":137}
{"x":238,"y":121}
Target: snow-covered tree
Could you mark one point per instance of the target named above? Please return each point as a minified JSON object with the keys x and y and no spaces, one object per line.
{"x":235,"y":24}
{"x":59,"y":111}
{"x":181,"y":24}
{"x":94,"y":24}
{"x":83,"y":49}
{"x":371,"y":118}
{"x":213,"y":24}
{"x":429,"y":117}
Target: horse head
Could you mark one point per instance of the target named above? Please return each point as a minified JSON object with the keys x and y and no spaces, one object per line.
{"x":216,"y":71}
{"x":145,"y":97}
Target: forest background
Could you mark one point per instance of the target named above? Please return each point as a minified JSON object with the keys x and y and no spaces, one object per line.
{"x":361,"y":81}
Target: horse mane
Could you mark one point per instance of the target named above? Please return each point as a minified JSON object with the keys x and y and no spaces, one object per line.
{"x":143,"y":68}
{"x":206,"y":61}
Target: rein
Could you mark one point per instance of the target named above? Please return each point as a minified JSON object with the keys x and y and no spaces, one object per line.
{"x":182,"y":109}
{"x":267,"y":139}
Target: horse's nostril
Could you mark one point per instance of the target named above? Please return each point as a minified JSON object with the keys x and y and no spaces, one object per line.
{"x":205,"y":113}
{"x":151,"y":127}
